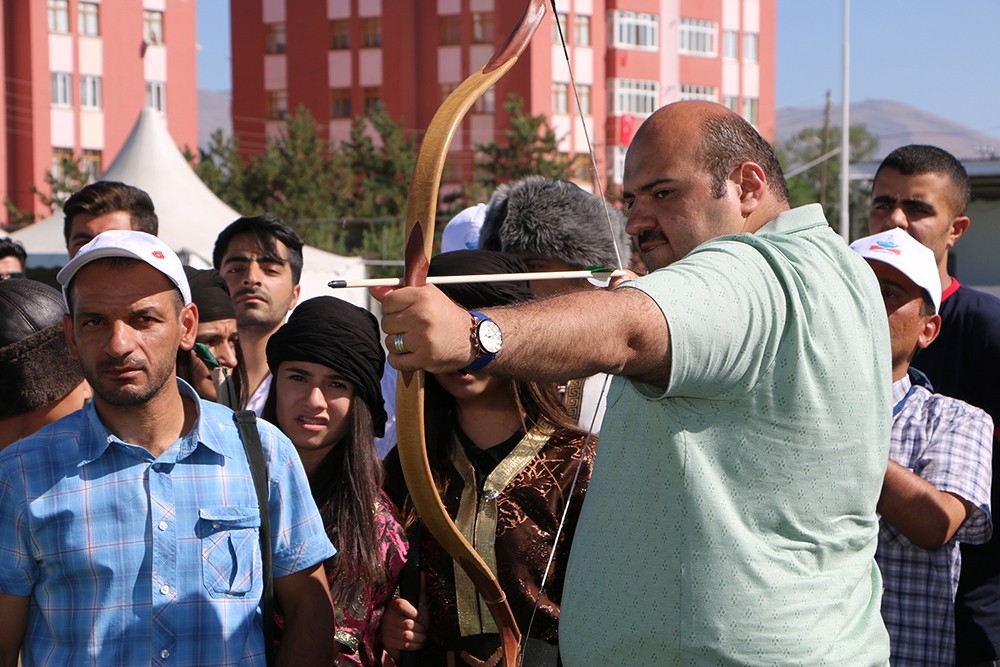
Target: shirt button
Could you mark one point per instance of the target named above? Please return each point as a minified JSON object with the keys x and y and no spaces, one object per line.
{"x":162,"y":525}
{"x":215,"y":525}
{"x":164,"y":654}
{"x":165,"y":589}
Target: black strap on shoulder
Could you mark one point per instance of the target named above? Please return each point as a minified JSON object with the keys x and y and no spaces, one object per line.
{"x":246,"y":421}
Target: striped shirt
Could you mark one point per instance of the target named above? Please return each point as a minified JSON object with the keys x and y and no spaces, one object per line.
{"x":132,"y":559}
{"x":948,"y":443}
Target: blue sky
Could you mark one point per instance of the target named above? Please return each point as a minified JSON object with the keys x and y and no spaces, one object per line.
{"x":937,"y":55}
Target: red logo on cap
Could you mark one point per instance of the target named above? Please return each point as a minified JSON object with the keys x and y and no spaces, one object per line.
{"x":157,"y":254}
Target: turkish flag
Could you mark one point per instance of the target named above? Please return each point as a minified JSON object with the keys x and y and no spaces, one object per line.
{"x":625,"y":129}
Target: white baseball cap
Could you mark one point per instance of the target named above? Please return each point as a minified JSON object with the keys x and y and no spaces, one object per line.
{"x":462,"y":231}
{"x":900,"y":250}
{"x":131,"y":244}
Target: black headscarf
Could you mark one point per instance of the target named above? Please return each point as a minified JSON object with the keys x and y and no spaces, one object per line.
{"x":210,"y":293}
{"x":333,"y":333}
{"x":475,"y":262}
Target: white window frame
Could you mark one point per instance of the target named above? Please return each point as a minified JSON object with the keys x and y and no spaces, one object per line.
{"x":637,"y":97}
{"x":751,"y":110}
{"x":697,"y":92}
{"x":560,"y":97}
{"x":731,"y":102}
{"x":89,"y":19}
{"x":59,"y":16}
{"x":90,"y":91}
{"x":751,"y":47}
{"x":699,"y":37}
{"x":731,"y":44}
{"x":62,"y":89}
{"x":582,"y":30}
{"x":635,"y":30}
{"x":152,"y":26}
{"x":156,"y":96}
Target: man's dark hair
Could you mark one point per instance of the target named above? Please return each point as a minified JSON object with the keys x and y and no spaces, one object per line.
{"x":266,"y":228}
{"x":11,"y":248}
{"x":726,"y":141}
{"x":105,"y":197}
{"x":924,"y":159}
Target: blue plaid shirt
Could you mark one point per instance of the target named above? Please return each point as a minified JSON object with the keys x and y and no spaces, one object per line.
{"x":132,"y":559}
{"x":949,"y":444}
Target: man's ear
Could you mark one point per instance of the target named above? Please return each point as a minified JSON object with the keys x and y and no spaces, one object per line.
{"x":189,"y":326}
{"x":70,"y":339}
{"x":930,"y":331}
{"x":752,"y":183}
{"x":958,"y":227}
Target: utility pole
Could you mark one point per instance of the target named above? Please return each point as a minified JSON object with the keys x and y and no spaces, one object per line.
{"x":845,"y":132}
{"x":824,"y":147}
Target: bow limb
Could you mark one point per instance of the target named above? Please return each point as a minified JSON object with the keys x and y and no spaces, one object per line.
{"x":421,"y":211}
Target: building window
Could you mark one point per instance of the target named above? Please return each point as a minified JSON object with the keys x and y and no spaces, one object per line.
{"x":750,"y":47}
{"x":486,"y":103}
{"x":90,"y":163}
{"x":482,"y":27}
{"x":635,"y":97}
{"x":89,"y":25}
{"x":699,"y":37}
{"x":750,"y":110}
{"x":581,"y":30}
{"x":60,"y":158}
{"x":560,"y":98}
{"x":340,"y":103}
{"x":277,"y":104}
{"x":560,"y":28}
{"x":618,"y":164}
{"x":583,"y":92}
{"x":156,"y":95}
{"x":706,"y":93}
{"x":62,"y":93}
{"x":90,"y":92}
{"x":447,"y":89}
{"x":449,"y":30}
{"x":730,"y":44}
{"x":153,"y":21}
{"x":373,"y":98}
{"x":632,"y":30}
{"x":340,"y":35}
{"x":58,"y":15}
{"x":371,"y":33}
{"x":731,"y":102}
{"x":274,"y":38}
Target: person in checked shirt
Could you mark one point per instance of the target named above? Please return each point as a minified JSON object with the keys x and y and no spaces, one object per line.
{"x":129,"y":530}
{"x":936,"y":492}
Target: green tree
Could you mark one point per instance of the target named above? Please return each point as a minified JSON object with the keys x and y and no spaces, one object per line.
{"x":821,"y":181}
{"x":220,"y":167}
{"x":530,"y":148}
{"x":71,"y":176}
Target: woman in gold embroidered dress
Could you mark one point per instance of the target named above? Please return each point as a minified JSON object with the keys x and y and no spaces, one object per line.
{"x":507,"y":459}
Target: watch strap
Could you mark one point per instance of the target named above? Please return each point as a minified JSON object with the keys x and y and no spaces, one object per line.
{"x":482,"y":356}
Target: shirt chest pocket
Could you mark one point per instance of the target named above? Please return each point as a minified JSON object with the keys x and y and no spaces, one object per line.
{"x":230,"y":551}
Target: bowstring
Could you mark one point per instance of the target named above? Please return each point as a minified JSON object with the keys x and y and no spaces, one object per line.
{"x":590,"y":439}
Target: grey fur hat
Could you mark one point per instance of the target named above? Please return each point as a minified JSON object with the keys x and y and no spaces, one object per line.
{"x":34,"y":359}
{"x":555,"y":219}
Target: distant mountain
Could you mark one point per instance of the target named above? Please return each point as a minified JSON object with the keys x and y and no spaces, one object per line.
{"x":895,"y":124}
{"x":213,"y":113}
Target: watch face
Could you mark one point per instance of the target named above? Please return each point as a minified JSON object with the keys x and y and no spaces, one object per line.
{"x":490,"y":336}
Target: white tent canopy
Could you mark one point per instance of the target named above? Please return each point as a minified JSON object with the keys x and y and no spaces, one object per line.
{"x":190,"y":214}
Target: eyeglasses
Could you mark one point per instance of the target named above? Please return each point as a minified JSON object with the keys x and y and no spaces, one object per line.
{"x":15,"y":275}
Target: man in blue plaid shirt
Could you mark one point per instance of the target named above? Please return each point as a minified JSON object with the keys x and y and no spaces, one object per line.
{"x":129,"y":530}
{"x":936,"y":492}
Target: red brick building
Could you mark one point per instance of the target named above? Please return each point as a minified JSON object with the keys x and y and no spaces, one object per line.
{"x":76,"y":75}
{"x":339,"y":57}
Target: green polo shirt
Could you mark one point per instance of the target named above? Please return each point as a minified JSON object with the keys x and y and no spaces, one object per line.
{"x":731,"y":518}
